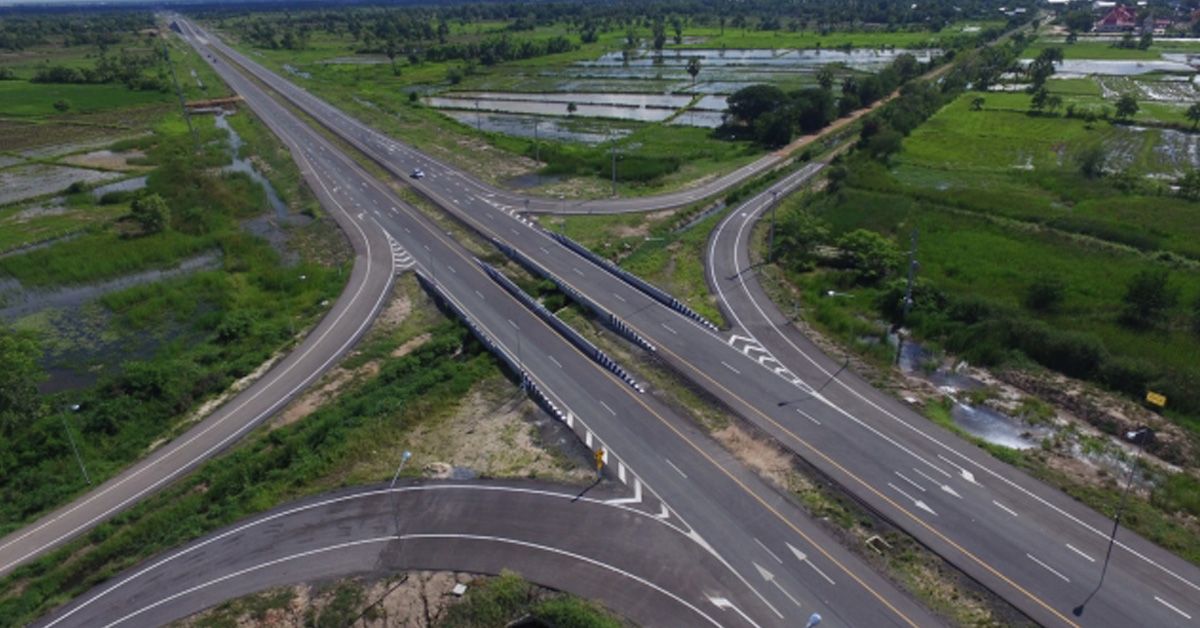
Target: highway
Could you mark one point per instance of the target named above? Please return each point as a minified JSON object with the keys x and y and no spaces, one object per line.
{"x":616,"y":554}
{"x":788,"y":564}
{"x":1030,"y":544}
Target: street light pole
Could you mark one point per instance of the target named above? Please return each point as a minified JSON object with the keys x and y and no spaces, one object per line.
{"x":395,"y":496}
{"x":1139,"y":437}
{"x":771,"y":239}
{"x":75,"y":448}
{"x":614,"y":163}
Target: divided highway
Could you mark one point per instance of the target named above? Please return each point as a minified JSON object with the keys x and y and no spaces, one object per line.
{"x":1030,"y":544}
{"x":787,"y":566}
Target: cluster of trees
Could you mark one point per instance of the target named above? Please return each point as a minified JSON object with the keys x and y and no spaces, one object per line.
{"x":126,"y":68}
{"x":498,"y":49}
{"x":20,"y":31}
{"x":773,"y":116}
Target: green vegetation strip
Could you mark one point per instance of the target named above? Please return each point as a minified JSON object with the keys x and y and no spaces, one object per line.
{"x":273,"y":466}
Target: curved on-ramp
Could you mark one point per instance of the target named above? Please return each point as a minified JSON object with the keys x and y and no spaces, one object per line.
{"x":645,"y":569}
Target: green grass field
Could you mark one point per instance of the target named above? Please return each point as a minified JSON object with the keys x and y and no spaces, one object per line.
{"x":25,"y":99}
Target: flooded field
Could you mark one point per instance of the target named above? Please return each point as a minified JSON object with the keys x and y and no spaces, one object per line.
{"x":590,"y":132}
{"x":648,"y":86}
{"x":21,"y":182}
{"x":1079,"y":68}
{"x":587,"y":110}
{"x":1180,"y":91}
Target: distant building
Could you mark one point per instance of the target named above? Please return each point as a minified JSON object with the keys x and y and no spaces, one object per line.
{"x":1118,"y":20}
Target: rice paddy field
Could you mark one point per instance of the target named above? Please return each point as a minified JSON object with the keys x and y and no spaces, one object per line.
{"x":644,"y":100}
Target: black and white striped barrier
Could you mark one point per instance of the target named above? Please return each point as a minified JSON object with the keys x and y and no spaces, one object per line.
{"x":637,"y":282}
{"x":487,"y":341}
{"x":568,"y":332}
{"x":610,"y":319}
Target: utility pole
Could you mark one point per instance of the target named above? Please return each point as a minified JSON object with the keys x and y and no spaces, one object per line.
{"x":912,"y":269}
{"x":179,"y":93}
{"x":537,"y":147}
{"x":908,"y":295}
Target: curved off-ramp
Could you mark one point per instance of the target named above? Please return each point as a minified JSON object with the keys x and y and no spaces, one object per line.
{"x":635,"y":564}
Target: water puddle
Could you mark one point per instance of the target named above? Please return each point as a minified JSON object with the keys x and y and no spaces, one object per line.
{"x":125,"y":185}
{"x":978,"y":420}
{"x":271,"y":227}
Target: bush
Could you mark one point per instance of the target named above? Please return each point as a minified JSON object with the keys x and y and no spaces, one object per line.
{"x":1045,"y":293}
{"x":1148,"y":299}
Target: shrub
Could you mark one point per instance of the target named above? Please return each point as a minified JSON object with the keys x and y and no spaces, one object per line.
{"x":1045,"y":293}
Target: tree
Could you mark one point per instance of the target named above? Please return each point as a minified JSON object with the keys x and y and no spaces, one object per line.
{"x":1148,"y":299}
{"x":1127,"y":107}
{"x":152,"y":213}
{"x":572,"y":108}
{"x":748,"y":103}
{"x":391,"y":50}
{"x":1054,"y":102}
{"x":1038,"y":102}
{"x":825,"y":77}
{"x":1091,"y":162}
{"x":62,"y":105}
{"x":977,"y":103}
{"x":20,"y":402}
{"x":1196,"y":315}
{"x":1145,"y":42}
{"x":869,"y":253}
{"x":798,"y":235}
{"x":693,"y":68}
{"x":774,"y":128}
{"x":1189,"y":185}
{"x":1045,"y":293}
{"x":1193,"y":114}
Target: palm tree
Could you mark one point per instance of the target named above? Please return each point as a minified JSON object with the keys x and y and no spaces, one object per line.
{"x":1193,"y":114}
{"x":693,"y":68}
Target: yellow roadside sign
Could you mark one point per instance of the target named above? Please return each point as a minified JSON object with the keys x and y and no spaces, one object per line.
{"x":599,"y":458}
{"x":1156,"y":399}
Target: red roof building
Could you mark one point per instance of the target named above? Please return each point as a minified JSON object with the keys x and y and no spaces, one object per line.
{"x":1118,"y":20}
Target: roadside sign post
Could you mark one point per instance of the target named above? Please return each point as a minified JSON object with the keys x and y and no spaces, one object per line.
{"x":599,"y":461}
{"x":1156,"y":399}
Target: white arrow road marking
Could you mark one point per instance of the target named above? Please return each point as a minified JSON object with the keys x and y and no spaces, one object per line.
{"x":770,"y":577}
{"x":916,"y":502}
{"x":802,"y":557}
{"x":945,"y":487}
{"x":725,"y":605}
{"x":966,"y":475}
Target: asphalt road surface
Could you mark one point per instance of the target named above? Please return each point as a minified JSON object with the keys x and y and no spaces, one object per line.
{"x":646,"y":569}
{"x":1030,"y":544}
{"x":791,"y":566}
{"x":1045,"y":532}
